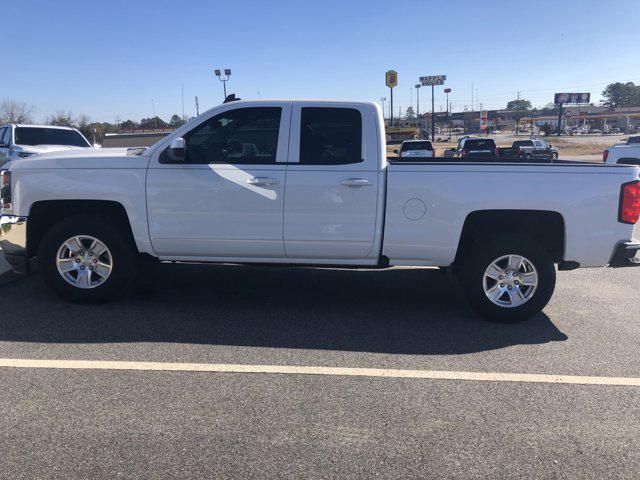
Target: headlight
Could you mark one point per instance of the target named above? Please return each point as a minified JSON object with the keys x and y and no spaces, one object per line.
{"x":25,"y":154}
{"x":5,"y":189}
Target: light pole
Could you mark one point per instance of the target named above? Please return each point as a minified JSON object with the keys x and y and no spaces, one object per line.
{"x":448,"y":91}
{"x":383,"y":99}
{"x":224,"y":79}
{"x":418,"y":101}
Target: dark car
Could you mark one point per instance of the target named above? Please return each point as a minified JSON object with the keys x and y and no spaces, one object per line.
{"x":477,"y":148}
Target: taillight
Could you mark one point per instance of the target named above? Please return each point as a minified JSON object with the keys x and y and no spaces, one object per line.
{"x":630,"y":202}
{"x":605,"y":154}
{"x":5,"y":189}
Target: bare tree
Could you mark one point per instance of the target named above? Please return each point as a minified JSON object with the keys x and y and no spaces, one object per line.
{"x":61,"y":119}
{"x":12,"y":111}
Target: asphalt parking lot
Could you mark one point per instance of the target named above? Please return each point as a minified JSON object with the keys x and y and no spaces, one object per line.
{"x":136,"y":423}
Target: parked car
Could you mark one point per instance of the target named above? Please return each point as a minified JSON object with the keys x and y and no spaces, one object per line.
{"x":624,"y":153}
{"x":315,"y":190}
{"x":495,"y":132}
{"x":476,"y":148}
{"x":595,"y":131}
{"x":20,"y":141}
{"x":530,"y":150}
{"x":415,"y":149}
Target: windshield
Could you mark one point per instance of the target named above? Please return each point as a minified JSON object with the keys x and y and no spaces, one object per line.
{"x":407,"y":146}
{"x":49,"y":136}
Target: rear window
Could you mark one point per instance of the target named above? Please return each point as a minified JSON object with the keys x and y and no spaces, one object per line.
{"x":408,"y":146}
{"x":49,"y":136}
{"x":633,"y":140}
{"x":330,"y":136}
{"x":480,"y":144}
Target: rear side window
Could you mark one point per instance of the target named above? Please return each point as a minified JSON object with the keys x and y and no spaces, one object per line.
{"x":408,"y":146}
{"x":330,"y":136}
{"x":480,"y":145}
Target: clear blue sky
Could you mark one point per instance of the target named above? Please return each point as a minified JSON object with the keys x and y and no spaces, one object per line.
{"x":111,"y":58}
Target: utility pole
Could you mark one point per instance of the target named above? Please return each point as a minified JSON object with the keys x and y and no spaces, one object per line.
{"x":382,"y":100}
{"x":183,"y":117}
{"x":418,"y":101}
{"x":197,"y":107}
{"x":517,"y":109}
{"x":153,"y":107}
{"x":433,"y":114}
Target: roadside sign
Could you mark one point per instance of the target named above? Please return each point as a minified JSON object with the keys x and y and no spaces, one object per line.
{"x":563,"y":98}
{"x":391,"y":78}
{"x":433,"y":80}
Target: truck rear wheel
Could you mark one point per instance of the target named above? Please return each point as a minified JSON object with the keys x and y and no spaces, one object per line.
{"x":508,"y":278}
{"x":85,"y":259}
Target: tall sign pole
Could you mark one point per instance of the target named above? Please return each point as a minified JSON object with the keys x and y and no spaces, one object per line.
{"x":432,"y":81}
{"x":391,"y":79}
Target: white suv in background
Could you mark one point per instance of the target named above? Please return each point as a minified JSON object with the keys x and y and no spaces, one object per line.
{"x":415,"y":149}
{"x":19,"y":141}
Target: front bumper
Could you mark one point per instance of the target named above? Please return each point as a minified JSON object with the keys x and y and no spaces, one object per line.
{"x":13,"y":242}
{"x":626,"y":254}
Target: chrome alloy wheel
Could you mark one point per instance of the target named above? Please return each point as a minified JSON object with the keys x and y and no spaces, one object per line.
{"x":510,"y":281}
{"x":84,"y":261}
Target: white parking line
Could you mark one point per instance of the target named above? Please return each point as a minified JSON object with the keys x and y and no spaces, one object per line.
{"x":316,"y":370}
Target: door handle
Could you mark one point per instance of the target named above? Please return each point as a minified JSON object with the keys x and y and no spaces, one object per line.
{"x":356,"y":182}
{"x":263,"y":181}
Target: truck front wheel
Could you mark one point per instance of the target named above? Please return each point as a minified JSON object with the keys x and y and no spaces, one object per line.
{"x":508,"y":278}
{"x":86,"y":260}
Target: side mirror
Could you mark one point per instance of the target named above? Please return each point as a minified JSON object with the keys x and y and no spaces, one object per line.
{"x":177,"y":150}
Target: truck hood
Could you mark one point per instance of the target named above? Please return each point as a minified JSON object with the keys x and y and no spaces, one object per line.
{"x":82,"y":158}
{"x":49,"y":148}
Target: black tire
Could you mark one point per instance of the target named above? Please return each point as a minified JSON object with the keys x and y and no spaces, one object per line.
{"x":483,"y":253}
{"x":528,"y":156}
{"x":554,"y":156}
{"x":123,"y":258}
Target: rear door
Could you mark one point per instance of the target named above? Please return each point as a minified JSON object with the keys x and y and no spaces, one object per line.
{"x":331,"y":196}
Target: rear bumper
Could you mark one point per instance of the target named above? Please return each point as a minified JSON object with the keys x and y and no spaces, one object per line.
{"x":626,"y":254}
{"x":13,"y":242}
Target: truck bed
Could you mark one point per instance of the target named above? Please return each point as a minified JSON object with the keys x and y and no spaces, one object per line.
{"x":429,"y":202}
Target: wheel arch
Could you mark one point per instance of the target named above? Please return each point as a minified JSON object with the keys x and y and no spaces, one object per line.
{"x":45,"y":214}
{"x":545,"y":227}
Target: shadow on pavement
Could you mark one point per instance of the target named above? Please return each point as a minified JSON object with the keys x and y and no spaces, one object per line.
{"x":398,"y":311}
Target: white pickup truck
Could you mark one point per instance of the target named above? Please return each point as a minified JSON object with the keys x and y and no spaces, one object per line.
{"x":309,"y":183}
{"x":627,"y":153}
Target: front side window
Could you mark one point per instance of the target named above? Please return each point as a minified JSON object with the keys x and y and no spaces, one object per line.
{"x":330,"y":136}
{"x":241,"y":136}
{"x":49,"y":136}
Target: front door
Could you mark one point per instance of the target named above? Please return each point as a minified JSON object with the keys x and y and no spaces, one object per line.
{"x":332,"y":183}
{"x":226,"y":198}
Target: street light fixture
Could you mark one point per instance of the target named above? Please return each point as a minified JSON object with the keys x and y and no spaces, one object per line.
{"x":224,"y":79}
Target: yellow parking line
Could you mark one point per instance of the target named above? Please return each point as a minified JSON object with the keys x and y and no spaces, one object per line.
{"x":316,"y":370}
